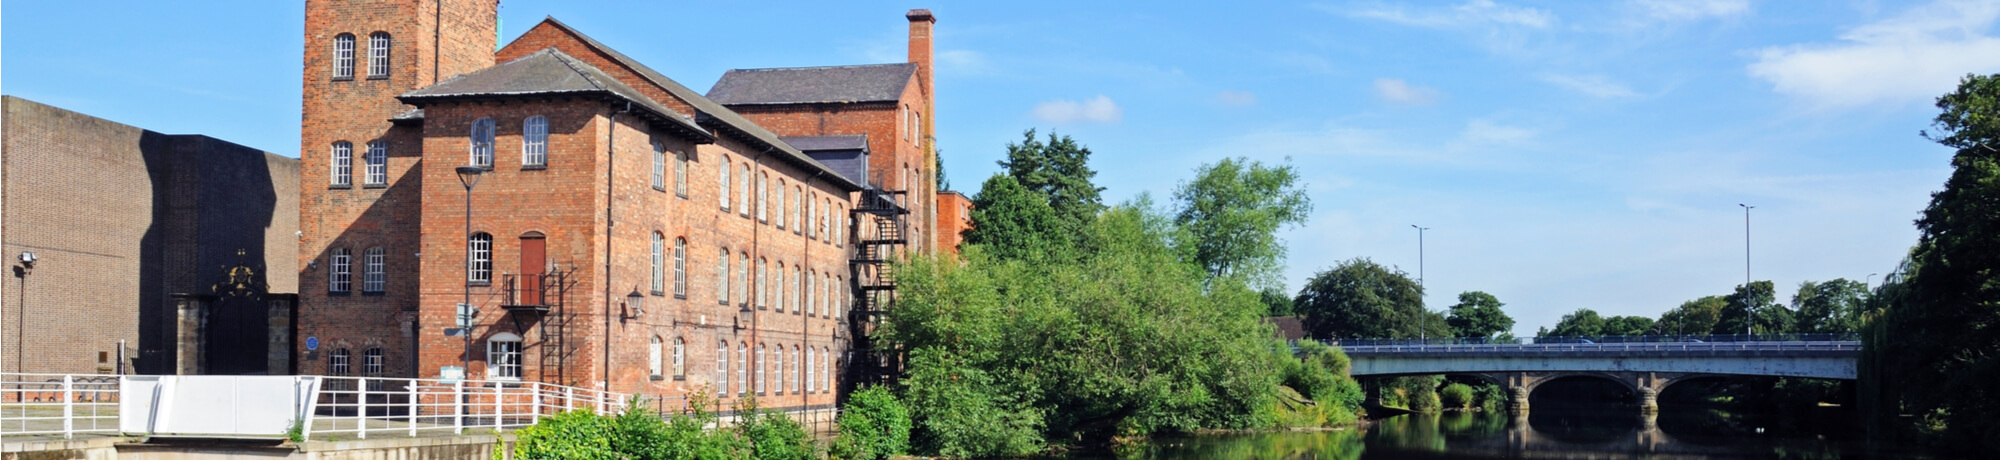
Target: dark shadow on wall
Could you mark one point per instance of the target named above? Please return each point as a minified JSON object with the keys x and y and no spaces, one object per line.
{"x":213,"y":203}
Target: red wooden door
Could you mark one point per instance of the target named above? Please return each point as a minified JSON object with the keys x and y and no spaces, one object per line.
{"x":534,"y":263}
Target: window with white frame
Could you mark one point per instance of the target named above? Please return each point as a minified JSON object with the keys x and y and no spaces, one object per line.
{"x":825,"y":219}
{"x":659,"y":166}
{"x":680,"y":358}
{"x":778,"y":286}
{"x":742,"y":368}
{"x":371,"y":362}
{"x":722,"y":369}
{"x":377,"y":161}
{"x":763,"y":195}
{"x":657,"y":355}
{"x":810,"y":307}
{"x":798,"y":290}
{"x":826,"y":368}
{"x":680,"y":268}
{"x":722,"y":278}
{"x":378,"y":55}
{"x":763,"y":294}
{"x":722,"y":189}
{"x":778,"y":370}
{"x":743,"y":279}
{"x":780,"y":203}
{"x":482,"y":142}
{"x":337,"y":363}
{"x":743,"y":207}
{"x":811,"y":383}
{"x":343,"y":56}
{"x":798,"y":209}
{"x":762,"y":365}
{"x":338,"y":275}
{"x":503,"y":357}
{"x":812,"y":213}
{"x":343,"y":163}
{"x":681,"y":174}
{"x":535,"y":141}
{"x":795,"y":368}
{"x":479,"y":258}
{"x":374,"y":271}
{"x":659,"y":265}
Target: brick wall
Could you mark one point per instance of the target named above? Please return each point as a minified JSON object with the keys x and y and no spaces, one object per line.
{"x":954,"y":218}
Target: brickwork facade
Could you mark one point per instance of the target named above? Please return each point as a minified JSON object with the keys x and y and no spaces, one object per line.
{"x":954,"y":219}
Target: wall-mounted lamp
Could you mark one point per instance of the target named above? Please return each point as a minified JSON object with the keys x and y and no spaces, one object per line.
{"x":28,"y":259}
{"x":635,"y":304}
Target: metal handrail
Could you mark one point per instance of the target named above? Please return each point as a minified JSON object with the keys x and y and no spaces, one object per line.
{"x":1602,"y":339}
{"x":361,"y":406}
{"x":1827,"y":345}
{"x":58,"y":404}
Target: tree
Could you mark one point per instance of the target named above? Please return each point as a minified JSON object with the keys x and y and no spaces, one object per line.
{"x":1014,"y":223}
{"x":1478,"y":314}
{"x":1628,"y":325}
{"x":1232,"y":211}
{"x":1942,"y":338}
{"x":1830,"y":307}
{"x":937,"y":158}
{"x":1694,"y":317}
{"x":1059,"y":170}
{"x":1360,"y":299}
{"x":1275,"y":302}
{"x":1582,"y":323}
{"x":1757,"y":305}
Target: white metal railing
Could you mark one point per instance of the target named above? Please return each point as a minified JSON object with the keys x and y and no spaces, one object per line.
{"x":363,"y":406}
{"x":58,"y":404}
{"x":1631,"y":346}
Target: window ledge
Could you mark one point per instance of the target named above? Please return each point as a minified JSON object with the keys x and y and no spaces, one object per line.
{"x":343,"y":78}
{"x":338,"y":293}
{"x":680,"y":378}
{"x":540,"y":167}
{"x":375,"y":186}
{"x":373,"y":293}
{"x":478,"y":283}
{"x":658,"y":378}
{"x":659,"y":293}
{"x":378,"y":77}
{"x":681,"y":296}
{"x":340,"y":186}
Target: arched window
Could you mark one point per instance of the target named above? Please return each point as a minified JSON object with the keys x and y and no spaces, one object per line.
{"x":798,"y":290}
{"x":374,"y":272}
{"x":479,"y":259}
{"x":743,"y":279}
{"x":778,"y":370}
{"x":377,"y":160}
{"x":659,"y":265}
{"x":812,"y":213}
{"x":482,"y":142}
{"x":722,"y":278}
{"x":742,"y":368}
{"x":680,"y":268}
{"x":680,"y":359}
{"x":795,"y":368}
{"x":378,"y":55}
{"x":722,"y":190}
{"x":778,"y":285}
{"x":839,"y":224}
{"x":810,"y":307}
{"x":338,"y":270}
{"x":840,"y":294}
{"x":681,"y":174}
{"x":763,"y":291}
{"x":343,"y":163}
{"x":744,"y":194}
{"x":762,"y":365}
{"x":811,"y":383}
{"x":763,"y":197}
{"x":337,"y":363}
{"x":825,"y":219}
{"x":780,"y":203}
{"x":659,"y":166}
{"x":722,"y":369}
{"x":826,"y":368}
{"x":535,"y":141}
{"x":371,"y":362}
{"x":503,"y":356}
{"x":798,"y":209}
{"x":655,"y":352}
{"x":343,"y":57}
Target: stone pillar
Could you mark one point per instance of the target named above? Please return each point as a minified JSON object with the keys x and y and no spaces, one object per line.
{"x":191,"y":327}
{"x":1519,"y":401}
{"x":278,"y":334}
{"x":1649,"y":400}
{"x":1371,"y":393}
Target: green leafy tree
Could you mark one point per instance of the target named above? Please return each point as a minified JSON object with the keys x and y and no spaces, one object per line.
{"x":1694,"y":317}
{"x":1830,"y":307}
{"x":1362,"y":299}
{"x":1583,"y":322}
{"x":1275,"y":302}
{"x":1456,"y":396}
{"x":1757,"y":305}
{"x":1628,"y":325}
{"x":1478,"y":314}
{"x":1232,"y":211}
{"x":873,"y":425}
{"x":937,"y":158}
{"x":1013,"y":222}
{"x":1943,"y":336}
{"x":1059,"y":170}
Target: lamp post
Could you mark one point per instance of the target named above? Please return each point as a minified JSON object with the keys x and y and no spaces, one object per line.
{"x":1748,"y":313}
{"x":21,"y":308}
{"x":1870,"y":283}
{"x":1421,"y":320}
{"x":468,"y":176}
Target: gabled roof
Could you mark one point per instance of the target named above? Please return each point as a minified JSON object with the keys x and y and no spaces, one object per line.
{"x":549,"y":72}
{"x":805,"y":85}
{"x":710,"y":114}
{"x":833,"y":142}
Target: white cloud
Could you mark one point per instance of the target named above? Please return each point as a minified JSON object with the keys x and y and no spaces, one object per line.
{"x":1469,"y":13}
{"x":1594,"y":85}
{"x":1487,"y":132}
{"x":1099,"y":109}
{"x":1908,"y":58}
{"x":1402,"y":92}
{"x":1688,"y":10}
{"x":1236,"y":98}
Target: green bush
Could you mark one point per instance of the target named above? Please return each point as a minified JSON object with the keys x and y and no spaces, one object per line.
{"x":873,"y":425}
{"x":1491,"y":397}
{"x":573,"y":435}
{"x":775,"y":436}
{"x":1456,"y":396}
{"x":961,"y":413}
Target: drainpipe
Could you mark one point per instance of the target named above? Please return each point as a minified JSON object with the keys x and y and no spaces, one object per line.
{"x":761,"y":189}
{"x":610,"y":222}
{"x":805,"y":331}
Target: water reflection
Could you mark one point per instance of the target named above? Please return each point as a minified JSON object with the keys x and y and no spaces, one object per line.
{"x":1566,"y":432}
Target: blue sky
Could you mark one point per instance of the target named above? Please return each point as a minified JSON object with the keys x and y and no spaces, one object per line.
{"x":1564,"y":154}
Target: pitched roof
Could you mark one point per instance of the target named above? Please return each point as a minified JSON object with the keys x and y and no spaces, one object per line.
{"x":708,"y":113}
{"x":1288,"y":327}
{"x":797,"y":85}
{"x":548,"y":72}
{"x":834,"y":142}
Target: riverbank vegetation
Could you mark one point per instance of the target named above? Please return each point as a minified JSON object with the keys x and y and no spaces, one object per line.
{"x":639,"y":434}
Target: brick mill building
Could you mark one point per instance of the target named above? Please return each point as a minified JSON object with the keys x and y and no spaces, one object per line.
{"x":624,"y":229}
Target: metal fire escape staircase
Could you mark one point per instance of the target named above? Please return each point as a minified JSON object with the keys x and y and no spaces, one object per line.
{"x":540,"y":298}
{"x":880,"y":226}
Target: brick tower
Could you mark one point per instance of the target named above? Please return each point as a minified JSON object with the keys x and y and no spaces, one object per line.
{"x":360,"y":190}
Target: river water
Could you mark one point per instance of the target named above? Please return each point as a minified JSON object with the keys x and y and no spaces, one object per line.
{"x":1610,"y":432}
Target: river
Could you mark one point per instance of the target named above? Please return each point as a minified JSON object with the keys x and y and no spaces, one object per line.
{"x":1557,"y":432}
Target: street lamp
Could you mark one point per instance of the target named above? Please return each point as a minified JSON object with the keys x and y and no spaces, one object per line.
{"x":1747,"y":311}
{"x":1870,"y":283}
{"x":20,"y":342}
{"x":468,"y":176}
{"x":1421,"y":321}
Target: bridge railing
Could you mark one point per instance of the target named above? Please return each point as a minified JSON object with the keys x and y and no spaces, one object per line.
{"x":361,"y":407}
{"x":58,"y":404}
{"x":1601,"y":339}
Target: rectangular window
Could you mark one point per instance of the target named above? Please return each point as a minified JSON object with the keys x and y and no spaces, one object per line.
{"x":371,"y":362}
{"x":378,"y":55}
{"x":659,"y":265}
{"x":722,"y":369}
{"x":763,"y":294}
{"x":479,"y":259}
{"x":338,"y":271}
{"x":377,"y":160}
{"x":503,"y":359}
{"x":681,"y":174}
{"x":535,"y":142}
{"x":659,"y":167}
{"x":653,"y":350}
{"x":744,"y":194}
{"x":722,"y":278}
{"x":742,"y":369}
{"x":722,"y":190}
{"x":762,"y":195}
{"x":343,"y":57}
{"x":680,"y":359}
{"x":337,"y":363}
{"x":482,"y":142}
{"x":343,"y":164}
{"x":811,"y":383}
{"x":374,"y":271}
{"x":743,"y":280}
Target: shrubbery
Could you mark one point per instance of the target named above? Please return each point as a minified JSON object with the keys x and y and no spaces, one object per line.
{"x":873,"y":425}
{"x":640,"y":434}
{"x":1456,"y":396}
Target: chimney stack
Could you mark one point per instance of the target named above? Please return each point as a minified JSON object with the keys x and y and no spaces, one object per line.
{"x":920,"y":54}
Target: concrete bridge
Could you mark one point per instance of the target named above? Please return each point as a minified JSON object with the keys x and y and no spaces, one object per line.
{"x":1645,"y":365}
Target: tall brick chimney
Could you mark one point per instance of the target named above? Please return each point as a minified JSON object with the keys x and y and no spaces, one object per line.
{"x":920,"y":54}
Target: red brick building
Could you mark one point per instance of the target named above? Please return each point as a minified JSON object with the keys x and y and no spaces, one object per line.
{"x":624,"y":230}
{"x":954,"y":218}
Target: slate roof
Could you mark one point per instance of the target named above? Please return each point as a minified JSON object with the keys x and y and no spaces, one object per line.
{"x":835,"y":142}
{"x":1290,"y":328}
{"x":707,"y":112}
{"x":799,"y":85}
{"x":548,"y":72}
